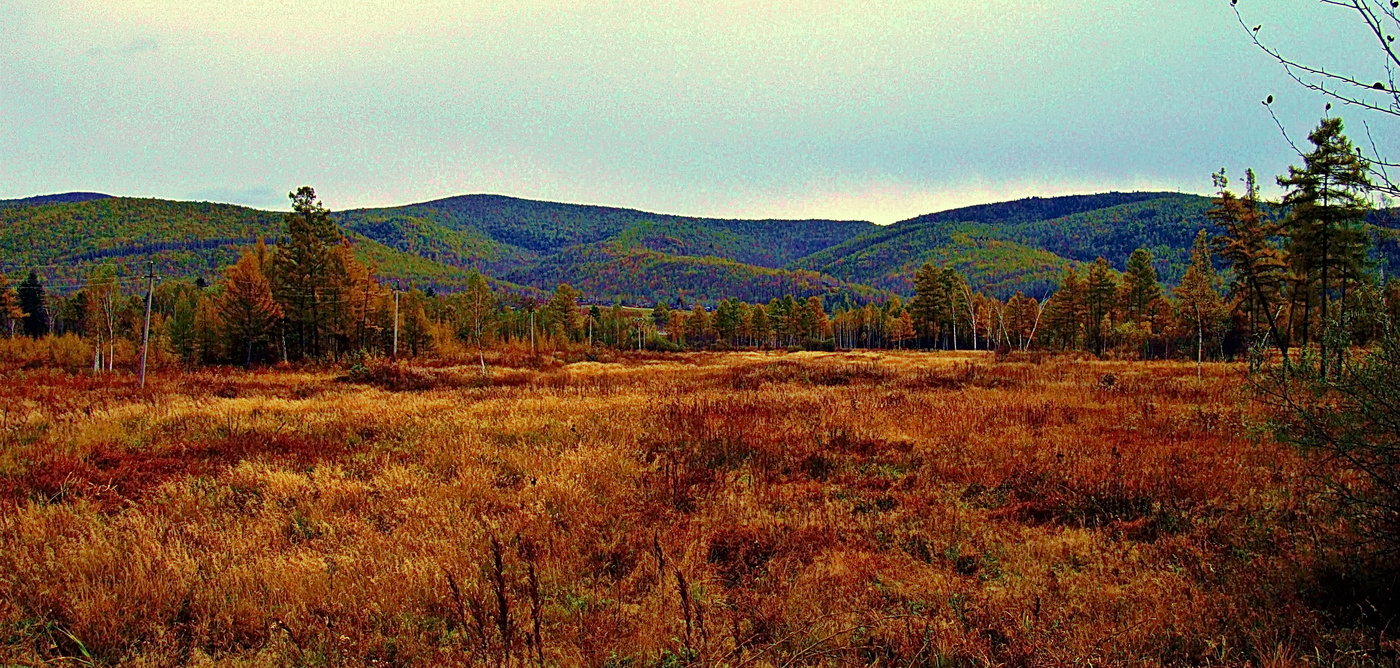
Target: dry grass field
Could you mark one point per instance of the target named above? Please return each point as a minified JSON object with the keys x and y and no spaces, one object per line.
{"x":736,"y":509}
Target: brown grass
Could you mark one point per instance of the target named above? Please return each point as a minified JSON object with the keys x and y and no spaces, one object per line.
{"x":738,"y":509}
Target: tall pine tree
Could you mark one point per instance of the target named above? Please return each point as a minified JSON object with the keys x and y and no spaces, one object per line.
{"x":1327,"y":204}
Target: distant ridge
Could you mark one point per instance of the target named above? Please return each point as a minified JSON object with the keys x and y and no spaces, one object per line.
{"x":59,"y":198}
{"x":639,"y":257}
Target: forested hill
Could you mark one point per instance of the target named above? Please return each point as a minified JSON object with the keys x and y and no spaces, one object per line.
{"x":1026,"y":244}
{"x":65,"y":237}
{"x":494,"y":228}
{"x":60,"y":198}
{"x":639,"y":257}
{"x":610,"y":253}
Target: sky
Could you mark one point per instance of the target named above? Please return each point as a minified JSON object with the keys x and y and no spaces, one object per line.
{"x":869,"y":110}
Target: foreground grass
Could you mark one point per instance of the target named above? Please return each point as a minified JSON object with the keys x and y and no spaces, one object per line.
{"x":735,"y":510}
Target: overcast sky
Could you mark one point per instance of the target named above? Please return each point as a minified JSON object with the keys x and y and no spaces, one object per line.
{"x":814,"y":108}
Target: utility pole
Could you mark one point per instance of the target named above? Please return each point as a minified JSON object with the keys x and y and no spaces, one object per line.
{"x":396,"y":324}
{"x":146,"y":333}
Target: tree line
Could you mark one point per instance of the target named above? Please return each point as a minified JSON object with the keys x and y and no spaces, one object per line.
{"x":1268,"y":281}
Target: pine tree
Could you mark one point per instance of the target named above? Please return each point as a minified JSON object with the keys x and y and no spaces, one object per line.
{"x":1258,"y":266}
{"x":1140,"y":284}
{"x":33,"y":301}
{"x":1201,"y":308}
{"x":305,"y":274}
{"x":1327,"y":204}
{"x":928,"y":305}
{"x":1099,"y":289}
{"x":246,"y":309}
{"x":562,"y":314}
{"x":1065,"y":321}
{"x":660,"y":314}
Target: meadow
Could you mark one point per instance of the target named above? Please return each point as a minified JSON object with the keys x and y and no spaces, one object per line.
{"x":638,"y":510}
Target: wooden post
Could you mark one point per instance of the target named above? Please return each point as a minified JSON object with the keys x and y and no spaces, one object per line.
{"x":396,"y":324}
{"x":146,"y":332}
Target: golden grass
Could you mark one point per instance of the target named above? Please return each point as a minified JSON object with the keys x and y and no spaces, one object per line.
{"x":742,"y":509}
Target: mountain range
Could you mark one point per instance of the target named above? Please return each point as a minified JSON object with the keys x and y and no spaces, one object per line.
{"x":634,"y":256}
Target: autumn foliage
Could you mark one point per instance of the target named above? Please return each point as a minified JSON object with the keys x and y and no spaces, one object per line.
{"x":741,"y":509}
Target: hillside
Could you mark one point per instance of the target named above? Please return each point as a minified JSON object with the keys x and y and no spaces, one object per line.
{"x":1023,"y":244}
{"x":494,"y":231}
{"x":609,"y":253}
{"x":60,"y":198}
{"x":183,"y":239}
{"x":639,"y":257}
{"x":642,"y":276}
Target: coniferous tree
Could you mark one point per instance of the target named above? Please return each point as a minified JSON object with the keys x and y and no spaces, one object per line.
{"x":181,"y":328}
{"x":1327,"y":205}
{"x":1140,"y":290}
{"x":306,"y":278}
{"x":660,"y":314}
{"x":247,"y":309}
{"x":33,"y":301}
{"x":928,"y":305}
{"x":1140,"y":285}
{"x":562,"y":313}
{"x":1100,"y":288}
{"x":1066,"y":309}
{"x":760,"y":326}
{"x":1201,"y":308}
{"x":1258,"y":265}
{"x":414,"y":331}
{"x":815,"y":320}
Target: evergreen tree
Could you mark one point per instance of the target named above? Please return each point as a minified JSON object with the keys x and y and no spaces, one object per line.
{"x":562,"y":314}
{"x":928,"y":305}
{"x":306,"y":278}
{"x":1066,"y":310}
{"x":33,"y":301}
{"x":1201,"y":308}
{"x":246,"y":309}
{"x":1140,"y":284}
{"x":660,"y":314}
{"x":1258,"y":265}
{"x":1327,"y":205}
{"x":181,"y":328}
{"x":1100,"y":288}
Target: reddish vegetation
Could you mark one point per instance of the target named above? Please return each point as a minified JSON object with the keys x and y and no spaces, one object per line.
{"x":723,"y":510}
{"x":111,"y":475}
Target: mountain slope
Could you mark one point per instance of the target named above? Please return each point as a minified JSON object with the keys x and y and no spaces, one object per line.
{"x":183,"y":239}
{"x":640,"y":257}
{"x":509,"y":229}
{"x":1023,"y":244}
{"x":639,"y":276}
{"x":60,"y":198}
